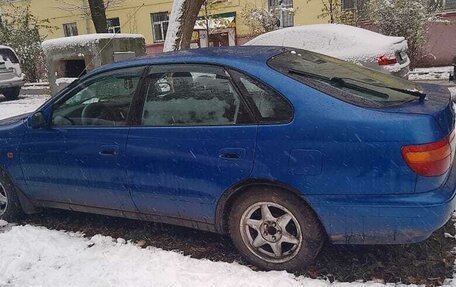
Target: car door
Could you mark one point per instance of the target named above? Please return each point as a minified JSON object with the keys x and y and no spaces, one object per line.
{"x":195,"y":138}
{"x":80,"y":158}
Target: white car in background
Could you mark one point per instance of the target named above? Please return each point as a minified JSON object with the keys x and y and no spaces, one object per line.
{"x":353,"y":44}
{"x":11,"y":77}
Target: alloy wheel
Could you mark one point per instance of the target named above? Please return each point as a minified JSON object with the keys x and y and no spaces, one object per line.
{"x":3,"y":200}
{"x":271,"y":232}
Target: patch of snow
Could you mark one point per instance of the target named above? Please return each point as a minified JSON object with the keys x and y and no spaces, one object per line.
{"x":429,"y":74}
{"x":340,"y":41}
{"x":34,"y":256}
{"x":22,"y":106}
{"x":36,"y":84}
{"x":452,"y":91}
{"x":84,"y":40}
{"x":174,"y":25}
{"x":64,"y":81}
{"x":3,"y":223}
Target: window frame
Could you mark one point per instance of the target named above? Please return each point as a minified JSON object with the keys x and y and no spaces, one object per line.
{"x":447,"y":7}
{"x":154,"y":36}
{"x":112,"y":29}
{"x":70,"y":27}
{"x":139,"y":103}
{"x":282,"y":15}
{"x":346,"y":7}
{"x":235,"y":75}
{"x":79,"y":85}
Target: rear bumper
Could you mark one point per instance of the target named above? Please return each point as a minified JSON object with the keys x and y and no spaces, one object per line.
{"x":12,"y":83}
{"x":394,"y":219}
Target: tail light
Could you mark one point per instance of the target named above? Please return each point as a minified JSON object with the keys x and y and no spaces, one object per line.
{"x":432,"y":159}
{"x":386,"y":60}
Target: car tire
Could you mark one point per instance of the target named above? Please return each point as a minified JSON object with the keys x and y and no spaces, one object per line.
{"x":10,"y":207}
{"x":291,"y":235}
{"x":12,"y":93}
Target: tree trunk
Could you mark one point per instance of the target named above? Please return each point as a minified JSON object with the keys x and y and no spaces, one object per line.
{"x":98,"y":13}
{"x":183,"y":18}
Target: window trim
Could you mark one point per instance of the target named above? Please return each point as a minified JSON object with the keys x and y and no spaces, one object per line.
{"x":234,"y":73}
{"x":136,"y":118}
{"x":79,"y":85}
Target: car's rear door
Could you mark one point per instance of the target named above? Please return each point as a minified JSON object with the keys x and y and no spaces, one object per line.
{"x":195,"y":138}
{"x":80,"y":158}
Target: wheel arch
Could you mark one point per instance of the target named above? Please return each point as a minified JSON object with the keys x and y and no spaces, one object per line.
{"x":27,"y":205}
{"x":229,"y":196}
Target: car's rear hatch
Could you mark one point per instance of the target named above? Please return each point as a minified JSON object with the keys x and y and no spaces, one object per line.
{"x":8,"y":64}
{"x":438,"y":104}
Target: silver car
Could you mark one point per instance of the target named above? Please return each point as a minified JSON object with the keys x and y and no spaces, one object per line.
{"x":353,"y":44}
{"x":11,"y":77}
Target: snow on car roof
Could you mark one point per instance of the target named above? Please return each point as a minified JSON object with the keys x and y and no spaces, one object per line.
{"x":337,"y":40}
{"x":84,"y":40}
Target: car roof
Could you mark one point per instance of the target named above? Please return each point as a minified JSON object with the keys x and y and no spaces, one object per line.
{"x":229,"y":56}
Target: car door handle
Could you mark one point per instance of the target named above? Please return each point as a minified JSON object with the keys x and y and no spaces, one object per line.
{"x":109,"y":151}
{"x":232,"y":153}
{"x":231,"y":156}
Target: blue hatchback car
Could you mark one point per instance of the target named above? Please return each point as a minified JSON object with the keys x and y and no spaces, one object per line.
{"x":280,"y":148}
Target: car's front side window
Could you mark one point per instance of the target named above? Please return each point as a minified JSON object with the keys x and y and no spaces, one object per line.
{"x":103,"y":101}
{"x":192,"y":97}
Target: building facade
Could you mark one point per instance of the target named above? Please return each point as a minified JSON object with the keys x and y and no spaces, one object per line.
{"x":150,"y":18}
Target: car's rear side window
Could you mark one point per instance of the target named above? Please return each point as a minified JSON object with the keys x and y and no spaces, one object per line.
{"x":270,"y":106}
{"x":8,"y":55}
{"x":192,"y":95}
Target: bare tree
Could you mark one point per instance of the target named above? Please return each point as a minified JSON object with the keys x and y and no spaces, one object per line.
{"x":182,"y":23}
{"x":98,"y":14}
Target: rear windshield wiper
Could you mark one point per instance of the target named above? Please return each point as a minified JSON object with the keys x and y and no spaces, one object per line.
{"x":416,"y":93}
{"x":339,"y":81}
{"x":343,"y":82}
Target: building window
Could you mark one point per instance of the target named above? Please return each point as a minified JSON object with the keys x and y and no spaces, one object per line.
{"x":450,"y":4}
{"x":284,"y":11}
{"x":70,"y":29}
{"x":113,"y":25}
{"x":348,"y":4}
{"x":160,"y":22}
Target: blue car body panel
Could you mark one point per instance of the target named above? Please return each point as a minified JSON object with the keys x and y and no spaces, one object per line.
{"x":345,"y":161}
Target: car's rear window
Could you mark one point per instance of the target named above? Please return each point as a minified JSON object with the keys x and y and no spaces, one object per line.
{"x":346,"y":81}
{"x":8,"y":55}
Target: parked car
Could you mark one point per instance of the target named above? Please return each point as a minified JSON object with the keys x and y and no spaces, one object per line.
{"x":11,"y":77}
{"x":373,"y":50}
{"x":280,"y":148}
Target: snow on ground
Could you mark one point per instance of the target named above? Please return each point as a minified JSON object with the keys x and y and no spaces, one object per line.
{"x":429,"y":74}
{"x":35,"y":256}
{"x":21,"y":106}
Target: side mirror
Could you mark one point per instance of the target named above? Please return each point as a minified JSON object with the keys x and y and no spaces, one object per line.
{"x":38,"y":121}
